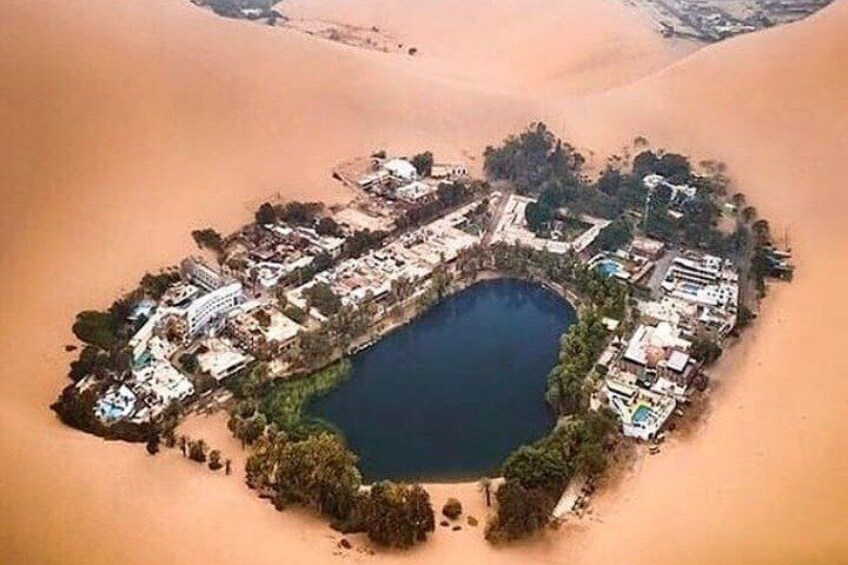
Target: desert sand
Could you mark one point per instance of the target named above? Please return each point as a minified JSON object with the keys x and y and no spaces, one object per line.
{"x":125,"y":125}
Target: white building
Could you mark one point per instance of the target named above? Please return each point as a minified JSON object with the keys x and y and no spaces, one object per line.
{"x":512,"y":228}
{"x":209,"y":306}
{"x":448,"y":170}
{"x":642,"y":413}
{"x":199,"y":273}
{"x":158,"y":384}
{"x":415,"y":191}
{"x":116,"y":404}
{"x":657,"y":355}
{"x":709,"y":282}
{"x":220,"y":359}
{"x":401,"y":169}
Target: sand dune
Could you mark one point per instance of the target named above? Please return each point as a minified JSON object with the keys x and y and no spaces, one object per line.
{"x":562,"y":46}
{"x":126,"y":125}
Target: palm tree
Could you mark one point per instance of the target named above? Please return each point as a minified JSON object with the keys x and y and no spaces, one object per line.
{"x":485,"y":485}
{"x":738,"y":200}
{"x":749,"y":213}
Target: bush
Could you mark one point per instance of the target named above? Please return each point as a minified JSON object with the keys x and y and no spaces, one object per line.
{"x":208,"y":238}
{"x":452,"y":509}
{"x":97,"y":328}
{"x":397,"y":515}
{"x":215,"y":460}
{"x":521,"y":512}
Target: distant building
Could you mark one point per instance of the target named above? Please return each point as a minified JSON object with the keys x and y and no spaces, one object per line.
{"x":375,"y":180}
{"x":658,"y":352}
{"x":264,"y":326}
{"x":647,"y":247}
{"x":415,"y":191}
{"x":116,"y":404}
{"x":209,"y":306}
{"x":709,"y":282}
{"x":219,"y":359}
{"x":199,"y":273}
{"x":679,"y":192}
{"x":448,"y":171}
{"x":179,"y":294}
{"x":642,"y":413}
{"x":158,"y":384}
{"x":401,"y":169}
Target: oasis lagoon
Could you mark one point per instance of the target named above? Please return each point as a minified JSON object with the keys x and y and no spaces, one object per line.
{"x":450,"y":395}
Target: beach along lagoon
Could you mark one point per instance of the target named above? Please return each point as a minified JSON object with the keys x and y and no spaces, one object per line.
{"x":450,"y":395}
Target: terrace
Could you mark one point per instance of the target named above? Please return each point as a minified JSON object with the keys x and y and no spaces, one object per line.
{"x":512,"y":227}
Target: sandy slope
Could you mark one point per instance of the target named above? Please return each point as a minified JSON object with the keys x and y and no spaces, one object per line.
{"x":562,"y":46}
{"x":126,"y":125}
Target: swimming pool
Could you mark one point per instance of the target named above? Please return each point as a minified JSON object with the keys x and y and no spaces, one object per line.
{"x":642,"y":414}
{"x":609,"y":268}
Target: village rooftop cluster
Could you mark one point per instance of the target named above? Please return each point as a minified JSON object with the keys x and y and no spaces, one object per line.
{"x":685,"y":294}
{"x":215,"y":319}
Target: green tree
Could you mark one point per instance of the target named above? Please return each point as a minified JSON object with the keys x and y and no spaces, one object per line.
{"x":209,"y":239}
{"x":328,"y":226}
{"x":485,"y":485}
{"x":521,"y":512}
{"x":423,"y":163}
{"x":197,"y":451}
{"x":397,"y":515}
{"x":614,"y":236}
{"x":319,"y":472}
{"x":266,"y":214}
{"x":215,"y":460}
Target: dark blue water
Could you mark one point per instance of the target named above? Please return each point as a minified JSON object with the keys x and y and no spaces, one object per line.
{"x":452,"y":394}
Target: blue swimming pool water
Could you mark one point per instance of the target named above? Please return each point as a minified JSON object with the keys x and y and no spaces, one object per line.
{"x":642,"y":413}
{"x":608,"y":267}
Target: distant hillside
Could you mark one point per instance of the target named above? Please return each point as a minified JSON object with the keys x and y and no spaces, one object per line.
{"x":714,"y":20}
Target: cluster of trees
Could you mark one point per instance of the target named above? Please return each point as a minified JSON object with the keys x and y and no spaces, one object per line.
{"x":306,"y":214}
{"x":537,"y":474}
{"x":448,"y":195}
{"x":608,"y":295}
{"x":208,"y":238}
{"x":319,"y":472}
{"x":568,"y":389}
{"x":295,"y":461}
{"x":362,"y":241}
{"x":705,"y":349}
{"x":533,"y":160}
{"x":615,"y":236}
{"x":321,"y":297}
{"x":338,"y":332}
{"x":674,"y":167}
{"x":154,"y":285}
{"x":423,"y":163}
{"x":285,"y":402}
{"x":539,"y":164}
{"x":103,"y":329}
